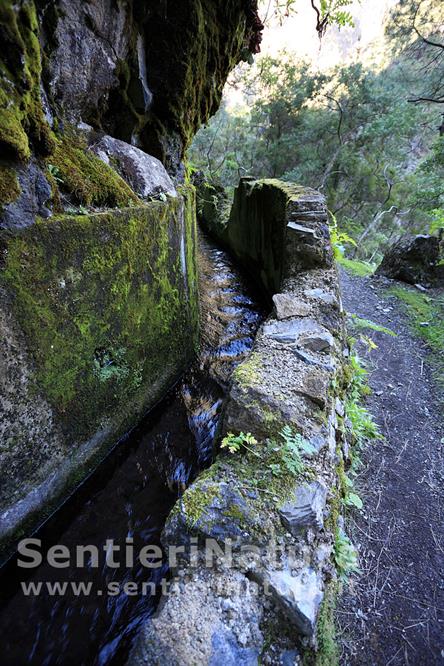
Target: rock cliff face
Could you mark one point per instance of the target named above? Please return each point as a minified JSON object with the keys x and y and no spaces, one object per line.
{"x":98,"y":289}
{"x":148,"y":73}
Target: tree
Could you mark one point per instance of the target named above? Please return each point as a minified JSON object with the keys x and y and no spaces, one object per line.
{"x":350,"y":132}
{"x":416,"y":30}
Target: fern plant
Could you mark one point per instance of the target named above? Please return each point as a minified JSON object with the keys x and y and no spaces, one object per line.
{"x":287,"y":454}
{"x":351,"y":498}
{"x":234,"y":443}
{"x":345,"y":555}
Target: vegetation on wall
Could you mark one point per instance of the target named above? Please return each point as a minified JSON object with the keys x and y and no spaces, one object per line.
{"x":97,"y":297}
{"x":22,"y":120}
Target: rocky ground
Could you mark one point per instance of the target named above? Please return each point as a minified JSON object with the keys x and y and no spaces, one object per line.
{"x":393,"y":612}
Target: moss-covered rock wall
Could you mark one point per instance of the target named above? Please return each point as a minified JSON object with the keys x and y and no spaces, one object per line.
{"x":99,"y":315}
{"x":149,"y":73}
{"x":98,"y":285}
{"x":274,"y":228}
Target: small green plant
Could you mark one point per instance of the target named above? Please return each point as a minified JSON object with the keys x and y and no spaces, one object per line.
{"x":357,"y":378}
{"x":339,"y":238}
{"x":361,"y":324}
{"x":345,"y":555}
{"x":437,"y":223}
{"x":363,"y":427}
{"x":294,"y":445}
{"x":235,"y":443}
{"x":282,"y":456}
{"x":351,"y":498}
{"x":286,"y":453}
{"x":55,"y":173}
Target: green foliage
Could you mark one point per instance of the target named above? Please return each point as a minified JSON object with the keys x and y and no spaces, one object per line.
{"x":349,"y":132}
{"x":289,"y":449}
{"x":345,"y":556}
{"x":437,"y":222}
{"x":328,"y":12}
{"x":363,"y":427}
{"x":55,"y":173}
{"x":272,"y":467}
{"x":339,"y":238}
{"x":359,"y":268}
{"x":415,"y":28}
{"x":351,"y":498}
{"x":282,"y":456}
{"x":234,"y":443}
{"x":362,"y":424}
{"x":427,"y":317}
{"x":359,"y":324}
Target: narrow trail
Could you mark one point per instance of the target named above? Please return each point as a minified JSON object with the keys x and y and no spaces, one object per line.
{"x":393,"y":612}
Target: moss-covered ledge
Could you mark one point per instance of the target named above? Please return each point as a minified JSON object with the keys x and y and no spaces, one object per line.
{"x":99,"y":317}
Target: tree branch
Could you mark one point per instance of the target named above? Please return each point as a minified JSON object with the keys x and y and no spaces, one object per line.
{"x":341,"y":113}
{"x":426,"y":99}
{"x":321,"y":23}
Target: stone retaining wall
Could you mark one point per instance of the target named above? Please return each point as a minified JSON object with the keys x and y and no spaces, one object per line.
{"x":280,"y":490}
{"x":99,"y":317}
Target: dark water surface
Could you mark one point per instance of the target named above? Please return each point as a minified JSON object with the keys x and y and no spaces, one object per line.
{"x":128,"y":500}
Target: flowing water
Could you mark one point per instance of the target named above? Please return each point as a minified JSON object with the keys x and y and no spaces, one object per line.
{"x":128,"y":500}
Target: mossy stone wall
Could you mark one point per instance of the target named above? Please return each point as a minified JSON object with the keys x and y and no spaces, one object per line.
{"x":22,"y":120}
{"x":255,"y":230}
{"x":102,"y":309}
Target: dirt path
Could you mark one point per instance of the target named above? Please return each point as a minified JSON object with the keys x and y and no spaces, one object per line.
{"x":393,"y":613}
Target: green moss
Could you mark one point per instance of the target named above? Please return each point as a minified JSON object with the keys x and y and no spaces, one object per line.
{"x":22,"y":120}
{"x":247,"y":373}
{"x":190,"y":230}
{"x":86,"y":178}
{"x":102,"y":302}
{"x":360,"y":268}
{"x":196,"y":499}
{"x":327,"y":653}
{"x":9,"y":186}
{"x":235,"y":512}
{"x":426,"y":314}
